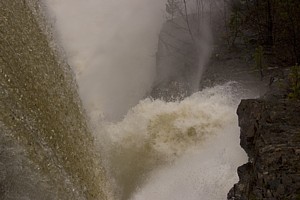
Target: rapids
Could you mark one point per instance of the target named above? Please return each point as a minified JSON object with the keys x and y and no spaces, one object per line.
{"x":177,"y":150}
{"x":185,"y":149}
{"x":140,"y":148}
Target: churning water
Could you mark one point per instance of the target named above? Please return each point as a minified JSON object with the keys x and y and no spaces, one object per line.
{"x":159,"y":150}
{"x":177,"y":150}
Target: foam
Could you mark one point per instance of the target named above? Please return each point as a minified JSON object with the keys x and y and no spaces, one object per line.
{"x":192,"y":145}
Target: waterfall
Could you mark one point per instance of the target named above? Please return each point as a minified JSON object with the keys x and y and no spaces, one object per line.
{"x":47,"y":150}
{"x":177,"y":150}
{"x":126,"y":145}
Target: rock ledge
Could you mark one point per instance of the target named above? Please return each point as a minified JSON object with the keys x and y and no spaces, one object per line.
{"x":270,"y":134}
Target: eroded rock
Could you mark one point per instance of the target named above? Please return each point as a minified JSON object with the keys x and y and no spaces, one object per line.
{"x":270,"y":134}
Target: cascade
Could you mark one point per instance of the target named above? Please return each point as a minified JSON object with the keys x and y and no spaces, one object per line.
{"x":111,"y":140}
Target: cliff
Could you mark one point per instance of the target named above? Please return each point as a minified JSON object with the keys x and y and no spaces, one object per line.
{"x":270,"y":134}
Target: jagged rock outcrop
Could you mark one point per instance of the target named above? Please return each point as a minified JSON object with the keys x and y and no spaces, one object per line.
{"x":270,"y":134}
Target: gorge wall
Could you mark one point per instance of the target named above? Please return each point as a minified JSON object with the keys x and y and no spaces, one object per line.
{"x":270,"y":134}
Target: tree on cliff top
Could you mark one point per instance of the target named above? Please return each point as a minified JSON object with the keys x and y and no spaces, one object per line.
{"x":273,"y":24}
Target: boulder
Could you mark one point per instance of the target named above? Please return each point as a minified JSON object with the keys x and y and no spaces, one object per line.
{"x":270,"y":135}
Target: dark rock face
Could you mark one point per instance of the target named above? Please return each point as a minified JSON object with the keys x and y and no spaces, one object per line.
{"x":270,"y":134}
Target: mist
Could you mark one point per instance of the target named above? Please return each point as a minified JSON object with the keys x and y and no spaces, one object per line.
{"x":111,"y":47}
{"x":207,"y":173}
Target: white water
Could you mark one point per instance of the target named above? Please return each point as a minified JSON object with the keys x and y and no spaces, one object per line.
{"x":179,"y":150}
{"x":165,"y":151}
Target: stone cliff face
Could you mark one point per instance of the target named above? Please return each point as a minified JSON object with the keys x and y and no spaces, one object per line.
{"x":270,"y":134}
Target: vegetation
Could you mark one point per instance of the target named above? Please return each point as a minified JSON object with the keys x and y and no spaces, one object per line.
{"x":272,"y":24}
{"x":259,"y":60}
{"x":273,"y":27}
{"x":191,"y":12}
{"x":270,"y":29}
{"x":294,"y":81}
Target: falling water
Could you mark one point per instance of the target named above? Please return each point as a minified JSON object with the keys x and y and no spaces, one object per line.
{"x":150,"y":149}
{"x":159,"y":150}
{"x":177,"y":150}
{"x":43,"y":129}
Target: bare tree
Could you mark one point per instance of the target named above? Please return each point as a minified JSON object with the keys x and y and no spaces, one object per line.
{"x":172,"y":8}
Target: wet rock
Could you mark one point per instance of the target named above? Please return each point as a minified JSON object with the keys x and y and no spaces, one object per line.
{"x":270,"y":135}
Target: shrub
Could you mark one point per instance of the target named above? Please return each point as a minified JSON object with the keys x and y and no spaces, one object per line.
{"x":294,"y":82}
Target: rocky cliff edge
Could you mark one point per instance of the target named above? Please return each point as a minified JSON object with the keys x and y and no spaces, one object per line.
{"x":270,"y":134}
